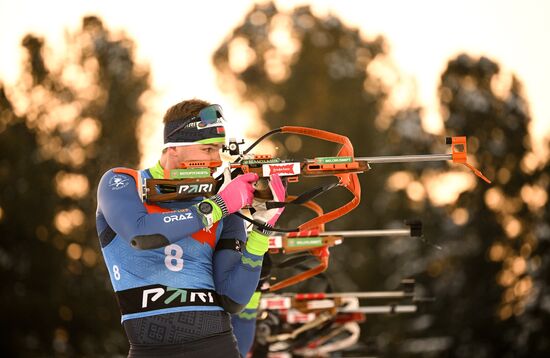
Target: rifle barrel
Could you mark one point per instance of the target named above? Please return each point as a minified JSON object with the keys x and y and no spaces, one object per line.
{"x":359,"y":233}
{"x":406,"y":158}
{"x":372,"y":294}
{"x":322,"y":295}
{"x":383,"y":309}
{"x":368,"y":233}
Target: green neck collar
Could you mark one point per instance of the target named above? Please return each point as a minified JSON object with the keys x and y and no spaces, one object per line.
{"x":157,"y":171}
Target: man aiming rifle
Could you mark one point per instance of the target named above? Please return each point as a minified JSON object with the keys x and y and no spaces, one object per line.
{"x":179,"y":267}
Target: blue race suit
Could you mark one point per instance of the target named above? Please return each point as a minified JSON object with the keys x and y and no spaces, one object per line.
{"x":244,"y":328}
{"x":186,"y":273}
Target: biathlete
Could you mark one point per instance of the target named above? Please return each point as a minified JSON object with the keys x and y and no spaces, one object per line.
{"x":180,"y":268}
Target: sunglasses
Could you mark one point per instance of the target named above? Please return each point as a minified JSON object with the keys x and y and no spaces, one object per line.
{"x":208,"y":115}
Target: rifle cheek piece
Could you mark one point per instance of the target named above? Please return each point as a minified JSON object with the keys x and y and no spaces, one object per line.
{"x":148,"y":242}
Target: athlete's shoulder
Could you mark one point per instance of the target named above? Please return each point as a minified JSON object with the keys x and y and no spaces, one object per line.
{"x":118,"y":178}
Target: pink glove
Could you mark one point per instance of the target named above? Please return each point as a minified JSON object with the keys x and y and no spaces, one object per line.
{"x":271,"y":216}
{"x":239,"y":192}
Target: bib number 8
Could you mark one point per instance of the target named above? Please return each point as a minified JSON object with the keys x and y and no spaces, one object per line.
{"x":116,"y":272}
{"x":173,"y":259}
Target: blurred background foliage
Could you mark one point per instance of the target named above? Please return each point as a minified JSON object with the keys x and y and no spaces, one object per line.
{"x":65,"y":123}
{"x":61,"y":127}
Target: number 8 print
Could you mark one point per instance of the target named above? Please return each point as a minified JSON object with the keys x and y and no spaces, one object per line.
{"x":173,"y":260}
{"x":116,"y":272}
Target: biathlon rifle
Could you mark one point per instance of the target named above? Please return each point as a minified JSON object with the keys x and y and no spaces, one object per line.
{"x":310,"y":239}
{"x":311,"y":323}
{"x":194,"y":178}
{"x":314,"y":326}
{"x":316,"y":243}
{"x":340,"y":336}
{"x":312,"y":302}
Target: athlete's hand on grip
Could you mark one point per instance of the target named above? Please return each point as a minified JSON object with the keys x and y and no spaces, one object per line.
{"x":278,"y":191}
{"x":239,"y":192}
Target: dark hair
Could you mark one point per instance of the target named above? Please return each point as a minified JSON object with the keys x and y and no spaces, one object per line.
{"x":184,"y":109}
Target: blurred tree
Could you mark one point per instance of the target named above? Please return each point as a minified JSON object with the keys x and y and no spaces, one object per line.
{"x":485,"y":276}
{"x":29,"y":266}
{"x":297,"y":68}
{"x":78,"y":120}
{"x":302,"y":69}
{"x":484,"y":282}
{"x":533,"y":341}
